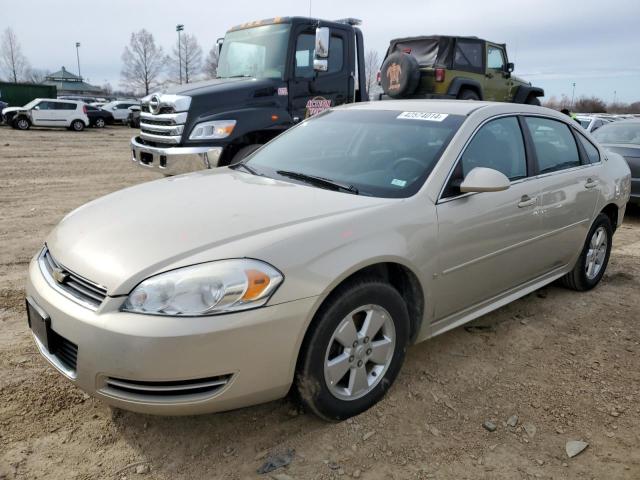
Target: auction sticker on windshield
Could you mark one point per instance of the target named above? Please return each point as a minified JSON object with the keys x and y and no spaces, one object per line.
{"x":431,"y":117}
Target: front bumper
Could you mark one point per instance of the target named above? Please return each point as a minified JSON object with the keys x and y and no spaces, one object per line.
{"x":174,"y":160}
{"x":144,"y":363}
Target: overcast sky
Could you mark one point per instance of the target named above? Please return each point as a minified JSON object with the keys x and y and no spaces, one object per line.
{"x":595,"y":44}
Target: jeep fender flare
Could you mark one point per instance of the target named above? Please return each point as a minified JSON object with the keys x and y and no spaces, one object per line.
{"x":460,"y":83}
{"x":525,"y":91}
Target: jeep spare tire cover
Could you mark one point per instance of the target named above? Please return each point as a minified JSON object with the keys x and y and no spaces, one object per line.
{"x":400,"y":75}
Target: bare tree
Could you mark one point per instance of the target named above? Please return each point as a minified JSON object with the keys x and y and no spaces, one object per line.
{"x":371,"y":65}
{"x":189,"y":55}
{"x":211,"y":63}
{"x":36,"y":75}
{"x":12,"y":61}
{"x":590,"y":105}
{"x":143,"y":62}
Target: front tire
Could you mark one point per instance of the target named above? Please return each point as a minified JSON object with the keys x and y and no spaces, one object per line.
{"x":244,"y":152}
{"x":353,"y":350}
{"x":100,"y":123}
{"x":22,"y":123}
{"x":594,"y":257}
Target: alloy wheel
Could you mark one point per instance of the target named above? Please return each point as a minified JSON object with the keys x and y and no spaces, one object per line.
{"x":359,"y":352}
{"x":596,"y":253}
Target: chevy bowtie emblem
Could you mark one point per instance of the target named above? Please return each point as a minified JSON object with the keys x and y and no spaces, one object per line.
{"x":59,"y":275}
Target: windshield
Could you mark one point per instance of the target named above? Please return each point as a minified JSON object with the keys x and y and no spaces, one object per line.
{"x":584,"y":123}
{"x":255,"y":52}
{"x":378,"y":153}
{"x":621,"y":133}
{"x":31,"y":104}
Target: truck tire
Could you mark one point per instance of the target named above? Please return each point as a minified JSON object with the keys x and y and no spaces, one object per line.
{"x":21,"y":123}
{"x":533,"y":101}
{"x":400,"y":75}
{"x":468,"y":94}
{"x":244,"y":152}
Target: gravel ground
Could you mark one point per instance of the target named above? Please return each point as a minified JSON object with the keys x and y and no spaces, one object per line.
{"x":566,"y":363}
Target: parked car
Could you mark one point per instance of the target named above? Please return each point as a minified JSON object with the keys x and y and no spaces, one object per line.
{"x":119,"y":109}
{"x":48,"y":112}
{"x":623,"y":137}
{"x":591,"y":122}
{"x":341,"y":242}
{"x":3,"y":105}
{"x":133,"y":119}
{"x":98,"y":117}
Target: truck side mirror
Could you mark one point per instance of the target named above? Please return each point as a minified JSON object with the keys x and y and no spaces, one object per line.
{"x":219,"y":43}
{"x":320,"y":60}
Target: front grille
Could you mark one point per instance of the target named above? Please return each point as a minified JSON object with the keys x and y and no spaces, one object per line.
{"x":64,"y":350}
{"x":88,"y":293}
{"x":145,"y":108}
{"x":163,"y":128}
{"x":187,"y":389}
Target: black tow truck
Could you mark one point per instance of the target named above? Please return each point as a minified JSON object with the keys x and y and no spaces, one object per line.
{"x":274,"y":73}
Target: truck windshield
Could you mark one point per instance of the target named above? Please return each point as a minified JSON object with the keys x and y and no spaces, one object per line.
{"x":259,"y":52}
{"x":386,"y":154}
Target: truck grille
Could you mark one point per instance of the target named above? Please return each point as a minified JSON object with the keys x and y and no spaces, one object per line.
{"x":71,"y":284}
{"x":164,"y":128}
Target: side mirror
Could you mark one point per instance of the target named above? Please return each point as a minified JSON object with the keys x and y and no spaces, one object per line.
{"x":320,"y":64}
{"x":219,"y":43}
{"x":482,"y":179}
{"x":114,"y":108}
{"x":322,"y":42}
{"x":36,"y":107}
{"x":510,"y":67}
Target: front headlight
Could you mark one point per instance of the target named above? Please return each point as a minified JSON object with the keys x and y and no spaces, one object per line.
{"x":206,"y":289}
{"x":212,"y":130}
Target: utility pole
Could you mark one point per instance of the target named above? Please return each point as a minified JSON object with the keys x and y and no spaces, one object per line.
{"x":179,"y":28}
{"x":615,"y":94}
{"x":573,"y":94}
{"x":309,"y":7}
{"x":78,"y":57}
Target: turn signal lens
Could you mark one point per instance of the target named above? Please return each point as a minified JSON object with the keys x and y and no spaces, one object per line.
{"x":257,"y":282}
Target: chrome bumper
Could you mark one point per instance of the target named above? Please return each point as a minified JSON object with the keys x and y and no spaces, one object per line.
{"x":174,"y":160}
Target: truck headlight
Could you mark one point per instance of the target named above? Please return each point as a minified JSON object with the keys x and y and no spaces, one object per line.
{"x":212,"y":130}
{"x":206,"y":289}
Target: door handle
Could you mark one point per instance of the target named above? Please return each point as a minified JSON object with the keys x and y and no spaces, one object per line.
{"x":527,"y":201}
{"x":590,"y":183}
{"x":489,"y":75}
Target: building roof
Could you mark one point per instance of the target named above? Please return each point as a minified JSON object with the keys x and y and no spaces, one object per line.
{"x":65,"y":81}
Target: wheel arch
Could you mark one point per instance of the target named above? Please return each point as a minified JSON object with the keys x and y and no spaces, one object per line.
{"x":525,"y":91}
{"x":461,"y":83}
{"x":611,"y":210}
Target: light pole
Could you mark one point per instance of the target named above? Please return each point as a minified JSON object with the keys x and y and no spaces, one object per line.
{"x":573,"y":94}
{"x":179,"y":28}
{"x":78,"y":57}
{"x":615,"y":94}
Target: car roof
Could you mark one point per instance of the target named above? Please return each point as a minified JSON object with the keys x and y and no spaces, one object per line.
{"x":454,"y":107}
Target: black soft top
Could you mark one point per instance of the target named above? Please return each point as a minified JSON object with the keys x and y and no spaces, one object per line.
{"x":430,"y":50}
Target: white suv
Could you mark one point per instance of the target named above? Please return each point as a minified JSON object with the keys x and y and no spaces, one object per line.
{"x":120,"y":109}
{"x":48,"y":112}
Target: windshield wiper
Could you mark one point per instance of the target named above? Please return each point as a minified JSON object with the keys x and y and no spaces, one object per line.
{"x":319,"y":181}
{"x":246,"y":167}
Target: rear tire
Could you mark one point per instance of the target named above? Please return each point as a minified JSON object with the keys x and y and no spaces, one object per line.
{"x":21,"y":123}
{"x":244,"y":152}
{"x":77,"y":125}
{"x":594,"y":257}
{"x":354,"y":349}
{"x":100,"y":123}
{"x":467,"y":94}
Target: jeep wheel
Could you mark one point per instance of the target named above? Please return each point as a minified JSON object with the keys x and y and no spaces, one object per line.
{"x":533,"y":101}
{"x":22,"y":123}
{"x":400,"y":75}
{"x":467,"y":94}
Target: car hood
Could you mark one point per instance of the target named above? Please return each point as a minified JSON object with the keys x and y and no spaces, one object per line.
{"x":11,"y":109}
{"x":122,"y":238}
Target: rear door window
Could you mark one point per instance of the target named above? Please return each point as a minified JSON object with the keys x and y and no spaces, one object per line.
{"x":554,"y":144}
{"x":468,"y":55}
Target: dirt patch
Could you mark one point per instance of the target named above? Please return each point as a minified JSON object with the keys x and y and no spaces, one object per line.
{"x":567,"y":364}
